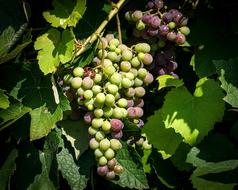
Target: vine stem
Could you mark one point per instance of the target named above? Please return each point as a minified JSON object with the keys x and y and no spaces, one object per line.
{"x":104,"y":23}
{"x":119,"y":28}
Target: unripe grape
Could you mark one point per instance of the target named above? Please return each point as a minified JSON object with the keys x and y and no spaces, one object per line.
{"x":122,"y":47}
{"x":111,"y":163}
{"x":126,"y":55}
{"x":87,"y":83}
{"x":112,"y":56}
{"x":97,"y":122}
{"x":99,"y":136}
{"x":118,"y":169}
{"x":138,"y":82}
{"x":171,"y":36}
{"x":97,"y":78}
{"x":76,"y":82}
{"x":130,"y":92}
{"x":80,"y":101}
{"x":103,"y":43}
{"x":148,"y":59}
{"x":110,"y":175}
{"x":98,"y":153}
{"x":88,"y":117}
{"x":100,"y":98}
{"x":106,"y":63}
{"x":102,"y":170}
{"x":109,"y":100}
{"x":171,"y":25}
{"x":116,"y":125}
{"x":67,"y":78}
{"x":102,"y":160}
{"x":141,"y":56}
{"x":118,"y":51}
{"x":128,"y":15}
{"x":136,"y":15}
{"x":142,"y":72}
{"x":134,"y":71}
{"x":115,"y":144}
{"x":125,"y":66}
{"x":116,"y":78}
{"x":102,"y":53}
{"x":90,"y":107}
{"x":139,"y":91}
{"x":148,"y":78}
{"x":122,"y":102}
{"x":88,"y":94}
{"x":146,"y":48}
{"x":109,"y":154}
{"x":106,"y":125}
{"x":114,"y":42}
{"x":126,"y":83}
{"x":80,"y":92}
{"x":93,"y":143}
{"x":112,"y":88}
{"x":146,"y":145}
{"x":98,"y":112}
{"x":96,"y":89}
{"x":129,"y":75}
{"x":140,"y":25}
{"x":117,"y":96}
{"x":161,"y":43}
{"x":78,"y":71}
{"x":92,"y":131}
{"x":109,"y":37}
{"x":184,"y":30}
{"x":104,"y":144}
{"x":135,"y":62}
{"x":112,"y":47}
{"x":108,"y":111}
{"x":109,"y":70}
{"x":118,"y":113}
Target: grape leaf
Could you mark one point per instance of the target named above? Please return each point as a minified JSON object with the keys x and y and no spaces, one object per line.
{"x":204,"y":168}
{"x":11,"y":114}
{"x":54,"y":47}
{"x":227,"y":71}
{"x":6,"y":39}
{"x":76,"y":132}
{"x":162,"y":139}
{"x":70,"y":171}
{"x":144,"y":160}
{"x":193,"y":116}
{"x":7,"y":169}
{"x":133,"y":175}
{"x":42,"y":181}
{"x":4,"y":102}
{"x":66,"y":13}
{"x":168,"y":81}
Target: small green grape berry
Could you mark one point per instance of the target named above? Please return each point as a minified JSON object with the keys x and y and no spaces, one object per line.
{"x":92,"y":131}
{"x":93,"y":144}
{"x":115,"y":144}
{"x":104,"y":144}
{"x":76,"y":82}
{"x":106,"y":125}
{"x":98,"y":153}
{"x":109,"y":154}
{"x":78,"y":72}
{"x":102,"y":161}
{"x":99,"y":136}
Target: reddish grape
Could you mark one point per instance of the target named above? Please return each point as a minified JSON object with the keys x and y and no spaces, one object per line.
{"x":102,"y":170}
{"x":116,"y":125}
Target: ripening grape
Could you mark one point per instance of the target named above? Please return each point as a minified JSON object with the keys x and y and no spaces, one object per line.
{"x":93,"y":143}
{"x":139,"y":112}
{"x":110,"y":175}
{"x":87,"y":83}
{"x":136,"y":15}
{"x":116,"y":125}
{"x":117,"y":135}
{"x":139,"y":91}
{"x":111,"y":163}
{"x":88,"y":117}
{"x":125,"y":66}
{"x":139,"y":102}
{"x":118,"y":169}
{"x":103,"y":43}
{"x":102,"y":170}
{"x":180,"y":38}
{"x":171,"y":36}
{"x":148,"y":59}
{"x":114,"y":41}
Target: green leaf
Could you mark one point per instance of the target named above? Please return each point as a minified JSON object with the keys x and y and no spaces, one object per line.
{"x":133,"y":175}
{"x":168,"y":81}
{"x":204,"y":168}
{"x":42,"y":181}
{"x":6,"y":39}
{"x":11,"y":114}
{"x":193,"y":116}
{"x":227,"y":71}
{"x":70,"y":171}
{"x":163,"y":139}
{"x":66,"y":13}
{"x":4,"y":102}
{"x":144,"y":160}
{"x":54,"y":48}
{"x":76,"y":132}
{"x":86,"y":58}
{"x":7,"y":169}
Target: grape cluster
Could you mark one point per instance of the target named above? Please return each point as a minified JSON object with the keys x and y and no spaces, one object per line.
{"x":110,"y":91}
{"x":167,"y":25}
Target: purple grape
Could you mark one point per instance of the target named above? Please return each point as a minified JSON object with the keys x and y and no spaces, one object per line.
{"x":173,"y":12}
{"x":158,"y":4}
{"x":183,"y":21}
{"x":180,"y":38}
{"x":146,"y":18}
{"x":139,"y":112}
{"x":130,"y":103}
{"x":150,"y":5}
{"x":152,"y":32}
{"x":171,"y":66}
{"x":110,"y":175}
{"x":167,"y":17}
{"x":162,"y":71}
{"x":163,"y":29}
{"x":177,"y":17}
{"x":117,"y":135}
{"x":88,"y":117}
{"x":155,"y":22}
{"x":117,"y":125}
{"x":102,"y":170}
{"x":171,"y":36}
{"x":140,"y":124}
{"x":131,"y":112}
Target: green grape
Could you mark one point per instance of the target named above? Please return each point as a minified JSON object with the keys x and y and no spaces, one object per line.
{"x":109,"y":154}
{"x":146,"y":47}
{"x":128,"y":15}
{"x":88,"y":102}
{"x":98,"y":113}
{"x":125,"y":66}
{"x":134,"y":71}
{"x":139,"y":91}
{"x":98,"y":153}
{"x":104,"y":144}
{"x":80,"y":92}
{"x":122,"y":47}
{"x":116,"y":78}
{"x":102,"y":53}
{"x":138,"y":82}
{"x":117,"y":96}
{"x":106,"y":63}
{"x":90,"y":107}
{"x":97,"y":122}
{"x":109,"y":70}
{"x":140,"y":25}
{"x":110,"y":100}
{"x":141,"y":56}
{"x":76,"y":82}
{"x":118,"y":50}
{"x":124,"y":112}
{"x":99,"y":136}
{"x":93,"y":144}
{"x":129,"y":75}
{"x":114,"y":42}
{"x":102,"y":43}
{"x":106,"y":125}
{"x":107,"y":111}
{"x":118,"y":113}
{"x":92,"y":131}
{"x":142,"y":72}
{"x":88,"y":94}
{"x":139,"y":47}
{"x":115,"y":144}
{"x":78,"y":72}
{"x":97,"y":78}
{"x":112,"y":47}
{"x":96,"y":89}
{"x":126,"y":55}
{"x":135,"y":62}
{"x":122,"y":102}
{"x":100,"y":98}
{"x":102,"y":161}
{"x":184,"y":30}
{"x":112,"y":88}
{"x":112,"y":56}
{"x":126,"y":83}
{"x":171,"y":25}
{"x":87,"y":83}
{"x":161,"y":43}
